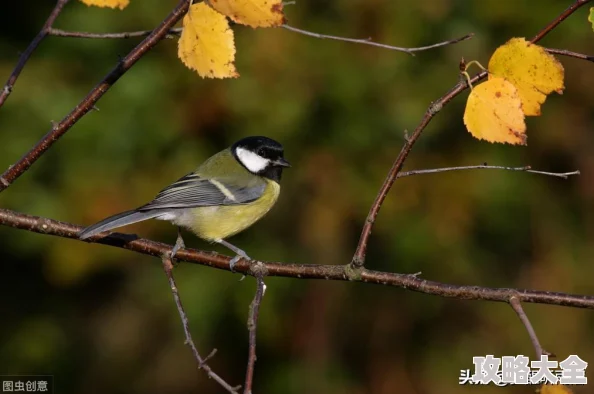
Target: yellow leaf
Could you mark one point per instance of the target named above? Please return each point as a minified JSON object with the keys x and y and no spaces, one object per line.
{"x":591,"y":17}
{"x":121,"y":4}
{"x":533,"y":71}
{"x":206,"y":43}
{"x":555,"y":389}
{"x":494,"y":113}
{"x":254,"y":13}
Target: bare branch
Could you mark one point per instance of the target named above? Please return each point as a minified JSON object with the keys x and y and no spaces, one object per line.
{"x":172,"y":33}
{"x":252,"y":325}
{"x":168,"y":267}
{"x":29,"y":51}
{"x":517,"y":307}
{"x":565,"y":52}
{"x":301,"y":271}
{"x":368,"y":41}
{"x":529,"y":169}
{"x":570,"y":10}
{"x":358,"y":259}
{"x":88,"y":103}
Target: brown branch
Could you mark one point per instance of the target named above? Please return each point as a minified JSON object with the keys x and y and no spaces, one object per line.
{"x":252,"y":325}
{"x":565,"y":52}
{"x":168,"y":267}
{"x":358,"y":259}
{"x":172,"y":33}
{"x":301,"y":271}
{"x":529,"y":169}
{"x":517,"y":307}
{"x":367,"y":41}
{"x":570,"y":10}
{"x":29,"y":51}
{"x":88,"y":103}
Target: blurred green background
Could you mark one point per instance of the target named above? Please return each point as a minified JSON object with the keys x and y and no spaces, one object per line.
{"x":102,"y":319}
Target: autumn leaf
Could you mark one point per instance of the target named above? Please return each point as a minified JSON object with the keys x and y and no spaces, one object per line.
{"x":533,"y":71}
{"x":206,"y":43}
{"x":591,"y":17}
{"x":494,"y":112}
{"x":121,"y":4}
{"x":555,"y":389}
{"x":254,"y":13}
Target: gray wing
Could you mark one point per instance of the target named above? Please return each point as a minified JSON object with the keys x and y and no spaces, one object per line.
{"x":194,"y":191}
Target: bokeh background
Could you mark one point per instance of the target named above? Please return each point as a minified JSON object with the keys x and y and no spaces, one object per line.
{"x":102,"y":320}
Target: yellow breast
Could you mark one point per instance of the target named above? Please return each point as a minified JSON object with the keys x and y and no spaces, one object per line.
{"x":220,"y":222}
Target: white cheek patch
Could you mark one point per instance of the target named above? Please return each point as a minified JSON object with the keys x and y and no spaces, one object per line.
{"x":251,"y":160}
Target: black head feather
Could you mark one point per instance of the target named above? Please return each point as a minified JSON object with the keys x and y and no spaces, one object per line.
{"x":270,"y":151}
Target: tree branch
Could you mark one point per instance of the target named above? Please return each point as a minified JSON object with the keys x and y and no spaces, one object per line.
{"x":358,"y":259}
{"x":87,"y":104}
{"x":171,"y":33}
{"x":367,"y":41}
{"x":301,"y":271}
{"x":529,"y":169}
{"x":565,"y":52}
{"x":252,"y":325}
{"x":29,"y":51}
{"x":517,"y":307}
{"x":168,"y":268}
{"x":570,"y":10}
{"x":174,"y":33}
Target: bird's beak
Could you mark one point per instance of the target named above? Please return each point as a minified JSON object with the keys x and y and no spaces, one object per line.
{"x":281,"y":162}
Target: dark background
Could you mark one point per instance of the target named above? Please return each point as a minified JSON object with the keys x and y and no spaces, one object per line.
{"x":102,"y":319}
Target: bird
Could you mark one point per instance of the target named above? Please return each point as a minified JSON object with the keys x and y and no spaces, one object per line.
{"x":225,"y":195}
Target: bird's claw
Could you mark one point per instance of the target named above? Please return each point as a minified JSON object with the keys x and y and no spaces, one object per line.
{"x":176,"y":249}
{"x":233,"y":262}
{"x":179,"y":244}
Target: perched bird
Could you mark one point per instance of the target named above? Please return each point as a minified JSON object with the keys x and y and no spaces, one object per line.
{"x":228,"y":193}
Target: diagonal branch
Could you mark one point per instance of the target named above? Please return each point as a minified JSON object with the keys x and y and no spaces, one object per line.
{"x":87,"y":104}
{"x":252,"y":325}
{"x":29,"y":51}
{"x":517,"y":307}
{"x":570,"y":10}
{"x":358,"y":259}
{"x":301,"y":271}
{"x":168,"y":268}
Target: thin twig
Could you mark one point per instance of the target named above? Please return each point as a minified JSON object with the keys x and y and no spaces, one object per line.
{"x":529,"y":169}
{"x":570,"y":10}
{"x":368,"y":41}
{"x":252,"y":325}
{"x":565,"y":52}
{"x":172,"y":33}
{"x":301,"y":271}
{"x":88,"y":103}
{"x":358,"y":259}
{"x":29,"y":51}
{"x":517,"y":306}
{"x":168,"y":267}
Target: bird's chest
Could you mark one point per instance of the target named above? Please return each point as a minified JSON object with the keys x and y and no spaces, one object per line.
{"x":220,"y":222}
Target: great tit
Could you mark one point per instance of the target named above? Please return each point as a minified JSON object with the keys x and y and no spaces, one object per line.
{"x":228,"y":193}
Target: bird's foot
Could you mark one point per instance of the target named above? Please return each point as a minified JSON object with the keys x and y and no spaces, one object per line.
{"x":179,"y":244}
{"x":236,"y":259}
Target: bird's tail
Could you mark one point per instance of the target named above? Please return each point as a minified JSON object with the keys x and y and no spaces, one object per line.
{"x":119,"y":220}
